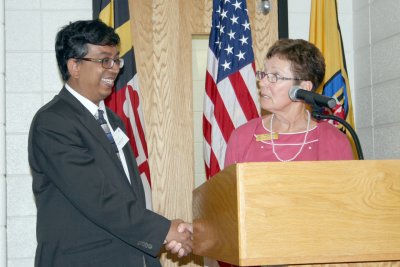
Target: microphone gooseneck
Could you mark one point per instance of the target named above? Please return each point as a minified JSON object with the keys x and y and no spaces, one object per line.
{"x":318,"y":102}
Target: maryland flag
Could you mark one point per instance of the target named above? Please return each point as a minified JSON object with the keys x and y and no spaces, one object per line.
{"x":125,"y":100}
{"x":325,"y":34}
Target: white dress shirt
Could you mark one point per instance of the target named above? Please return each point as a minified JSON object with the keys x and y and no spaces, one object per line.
{"x":93,"y":109}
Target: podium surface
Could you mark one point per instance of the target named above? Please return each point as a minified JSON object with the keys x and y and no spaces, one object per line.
{"x":300,"y":213}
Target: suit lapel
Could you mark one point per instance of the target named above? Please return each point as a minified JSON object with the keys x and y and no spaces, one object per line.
{"x":136,"y":182}
{"x":89,"y":122}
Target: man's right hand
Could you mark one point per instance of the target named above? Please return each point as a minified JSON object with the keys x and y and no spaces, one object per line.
{"x":180,"y":238}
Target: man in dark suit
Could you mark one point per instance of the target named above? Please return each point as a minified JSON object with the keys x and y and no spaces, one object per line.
{"x":89,"y":196}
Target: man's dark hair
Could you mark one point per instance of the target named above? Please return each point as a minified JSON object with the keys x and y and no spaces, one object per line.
{"x":72,"y":40}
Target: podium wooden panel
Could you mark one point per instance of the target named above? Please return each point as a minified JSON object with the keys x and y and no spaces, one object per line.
{"x":300,"y":213}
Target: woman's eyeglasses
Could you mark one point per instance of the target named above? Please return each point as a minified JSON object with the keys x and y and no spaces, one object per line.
{"x":272,"y":77}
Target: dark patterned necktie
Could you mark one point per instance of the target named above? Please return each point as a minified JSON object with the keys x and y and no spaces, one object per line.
{"x":103,"y":123}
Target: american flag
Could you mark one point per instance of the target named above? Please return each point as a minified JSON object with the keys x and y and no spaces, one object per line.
{"x":231,"y":97}
{"x":125,"y":100}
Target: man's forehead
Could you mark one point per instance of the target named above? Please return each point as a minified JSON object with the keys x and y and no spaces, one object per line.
{"x":102,"y":49}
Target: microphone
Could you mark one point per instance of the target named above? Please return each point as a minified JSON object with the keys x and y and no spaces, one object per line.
{"x":297,"y":94}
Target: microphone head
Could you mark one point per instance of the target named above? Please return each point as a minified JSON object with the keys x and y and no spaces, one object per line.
{"x":293,"y":93}
{"x":331,"y":103}
{"x":299,"y":94}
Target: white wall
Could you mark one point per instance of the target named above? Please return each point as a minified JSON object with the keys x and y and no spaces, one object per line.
{"x":3,"y":204}
{"x":31,"y":80}
{"x":199,"y":59}
{"x":377,"y":76}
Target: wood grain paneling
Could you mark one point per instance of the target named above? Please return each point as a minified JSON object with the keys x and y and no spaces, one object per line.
{"x":264,"y":31}
{"x":162,"y":34}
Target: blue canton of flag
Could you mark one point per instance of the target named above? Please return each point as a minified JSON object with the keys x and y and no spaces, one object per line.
{"x":230,"y":38}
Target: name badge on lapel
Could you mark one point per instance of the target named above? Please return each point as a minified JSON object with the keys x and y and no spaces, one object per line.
{"x":266,"y":137}
{"x":120,"y":138}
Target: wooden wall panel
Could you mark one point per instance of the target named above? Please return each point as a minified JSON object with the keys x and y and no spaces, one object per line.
{"x":200,"y":16}
{"x":162,"y":33}
{"x":264,"y":30}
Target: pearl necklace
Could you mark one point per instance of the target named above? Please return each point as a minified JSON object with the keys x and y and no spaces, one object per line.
{"x":304,"y":141}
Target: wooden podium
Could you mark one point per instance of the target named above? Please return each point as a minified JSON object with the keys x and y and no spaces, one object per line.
{"x":300,"y":213}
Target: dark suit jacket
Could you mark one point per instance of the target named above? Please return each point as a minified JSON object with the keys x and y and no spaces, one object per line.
{"x":87,"y":212}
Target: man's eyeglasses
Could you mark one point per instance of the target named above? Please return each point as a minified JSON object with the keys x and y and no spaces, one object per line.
{"x":272,"y":77}
{"x":107,"y":63}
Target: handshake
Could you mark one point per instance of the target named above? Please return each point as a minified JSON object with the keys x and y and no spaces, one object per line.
{"x":179,"y":239}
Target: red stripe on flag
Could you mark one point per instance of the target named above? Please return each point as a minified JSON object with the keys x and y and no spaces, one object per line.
{"x":224,"y":264}
{"x":208,"y":174}
{"x":145,"y":168}
{"x":207,"y":130}
{"x":134,"y":97}
{"x":214,"y":166}
{"x":243,"y":96}
{"x":115,"y":102}
{"x":207,"y":127}
{"x":221,"y":114}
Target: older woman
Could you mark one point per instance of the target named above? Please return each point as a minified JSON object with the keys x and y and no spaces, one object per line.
{"x":288,"y":133}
